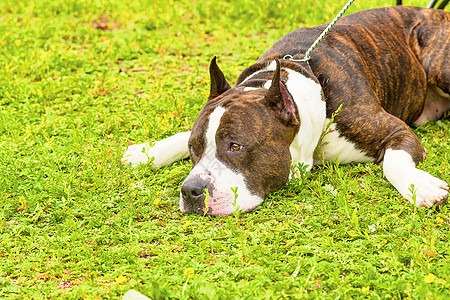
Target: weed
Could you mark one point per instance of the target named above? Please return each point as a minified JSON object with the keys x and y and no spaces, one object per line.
{"x":206,"y":201}
{"x":237,"y":208}
{"x":318,"y":154}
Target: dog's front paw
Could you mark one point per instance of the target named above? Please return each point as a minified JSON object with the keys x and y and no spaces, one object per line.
{"x":161,"y":153}
{"x":419,"y":187}
{"x":136,"y":154}
{"x":426,"y":190}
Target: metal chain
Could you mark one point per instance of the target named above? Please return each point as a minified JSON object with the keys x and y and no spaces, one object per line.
{"x":317,"y":41}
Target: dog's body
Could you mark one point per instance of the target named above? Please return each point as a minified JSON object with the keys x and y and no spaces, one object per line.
{"x":374,"y":74}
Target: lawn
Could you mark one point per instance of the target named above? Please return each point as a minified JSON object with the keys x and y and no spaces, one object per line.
{"x":80,"y":80}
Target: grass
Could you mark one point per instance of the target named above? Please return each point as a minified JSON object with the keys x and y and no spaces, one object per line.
{"x":82,"y":79}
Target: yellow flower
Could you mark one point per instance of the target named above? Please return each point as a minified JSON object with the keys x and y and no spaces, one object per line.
{"x":439,"y":220}
{"x":121,"y":279}
{"x":188,"y":272}
{"x":365,"y":289}
{"x":22,"y":200}
{"x":188,"y":223}
{"x":429,"y":278}
{"x":18,"y":43}
{"x":156,"y":201}
{"x":134,"y":45}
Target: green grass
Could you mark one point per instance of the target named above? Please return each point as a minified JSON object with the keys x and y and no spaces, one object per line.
{"x":75,"y":223}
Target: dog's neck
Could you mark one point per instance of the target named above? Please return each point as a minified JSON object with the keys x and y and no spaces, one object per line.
{"x":308,"y":96}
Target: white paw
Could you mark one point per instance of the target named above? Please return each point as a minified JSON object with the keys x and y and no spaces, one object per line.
{"x":136,"y":154}
{"x":161,"y":153}
{"x":419,"y":187}
{"x":425,"y":190}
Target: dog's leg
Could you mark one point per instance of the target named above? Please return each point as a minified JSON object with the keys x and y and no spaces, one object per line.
{"x":401,"y":152}
{"x":388,"y":139}
{"x":419,"y":187}
{"x":164,"y":152}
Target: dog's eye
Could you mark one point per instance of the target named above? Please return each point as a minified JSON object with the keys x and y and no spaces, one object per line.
{"x":235,"y":147}
{"x":191,"y":149}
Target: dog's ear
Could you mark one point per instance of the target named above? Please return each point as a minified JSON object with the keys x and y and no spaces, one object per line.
{"x":280,"y":101}
{"x":219,"y":84}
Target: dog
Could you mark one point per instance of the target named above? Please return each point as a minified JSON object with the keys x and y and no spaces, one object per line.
{"x":374,"y":74}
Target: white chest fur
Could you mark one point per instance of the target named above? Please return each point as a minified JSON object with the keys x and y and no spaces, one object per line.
{"x":307,"y":94}
{"x":333,"y":145}
{"x":312,"y":110}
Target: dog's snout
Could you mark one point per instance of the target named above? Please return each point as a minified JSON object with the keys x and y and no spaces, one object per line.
{"x":193,"y":194}
{"x":193,"y":190}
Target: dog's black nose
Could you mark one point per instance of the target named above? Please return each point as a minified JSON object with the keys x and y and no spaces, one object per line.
{"x":193,"y":192}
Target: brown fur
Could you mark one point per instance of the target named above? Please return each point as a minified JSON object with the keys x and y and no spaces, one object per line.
{"x":381,"y":69}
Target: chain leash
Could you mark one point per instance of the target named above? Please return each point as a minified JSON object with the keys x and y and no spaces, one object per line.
{"x":321,"y":36}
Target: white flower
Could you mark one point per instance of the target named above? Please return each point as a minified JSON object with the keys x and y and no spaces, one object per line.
{"x":373,"y":227}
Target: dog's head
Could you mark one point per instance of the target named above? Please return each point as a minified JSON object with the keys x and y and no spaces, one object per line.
{"x":239,"y":146}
